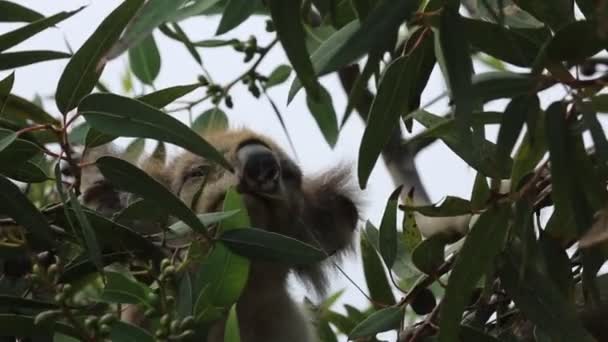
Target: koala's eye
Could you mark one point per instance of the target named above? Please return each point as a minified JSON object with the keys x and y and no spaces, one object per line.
{"x":198,"y":171}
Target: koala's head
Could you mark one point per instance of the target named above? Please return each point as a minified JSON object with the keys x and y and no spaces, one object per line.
{"x":263,"y":173}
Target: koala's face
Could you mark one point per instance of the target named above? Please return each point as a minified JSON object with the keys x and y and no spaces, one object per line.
{"x":269,"y":181}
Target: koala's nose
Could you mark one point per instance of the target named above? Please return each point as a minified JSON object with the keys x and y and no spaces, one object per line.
{"x":260,"y":169}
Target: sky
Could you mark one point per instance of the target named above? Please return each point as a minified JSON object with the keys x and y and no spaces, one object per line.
{"x":442,"y":172}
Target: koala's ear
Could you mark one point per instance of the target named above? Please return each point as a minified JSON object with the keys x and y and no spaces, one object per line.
{"x":330,"y":216}
{"x":332,"y":209}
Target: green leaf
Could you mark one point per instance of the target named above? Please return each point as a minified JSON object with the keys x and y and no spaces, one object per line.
{"x":286,"y":20}
{"x":481,"y":155}
{"x":597,"y":133}
{"x":19,"y":35}
{"x":503,"y":43}
{"x":120,"y":116}
{"x":130,"y":178}
{"x":324,"y":52}
{"x":84,"y":68}
{"x":387,"y":238}
{"x":261,"y":244}
{"x":388,"y":106}
{"x":212,"y":120}
{"x":530,"y":152}
{"x":185,"y":298}
{"x":14,"y":204}
{"x":555,"y":14}
{"x":207,"y":219}
{"x":123,"y":331}
{"x":12,"y":60}
{"x":377,"y":282}
{"x":7,"y":138}
{"x":144,"y":60}
{"x":516,"y":113}
{"x":25,"y":326}
{"x":498,"y":84}
{"x":374,"y":33}
{"x":151,"y":15}
{"x":6,"y":85}
{"x":210,"y":43}
{"x":454,"y":58}
{"x":27,"y":172}
{"x":428,"y":256}
{"x":379,"y":321}
{"x":163,"y":97}
{"x":12,"y":12}
{"x":541,"y":302}
{"x":235,"y":12}
{"x":134,"y":150}
{"x":563,"y":184}
{"x":322,"y":110}
{"x":90,"y":239}
{"x":482,"y":244}
{"x":279,"y":75}
{"x":17,"y":151}
{"x":19,"y":108}
{"x":223,"y":275}
{"x":481,"y":194}
{"x":585,"y":34}
{"x":121,"y":288}
{"x":231,"y":332}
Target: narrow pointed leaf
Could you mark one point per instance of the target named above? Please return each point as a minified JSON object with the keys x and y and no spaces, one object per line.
{"x":16,"y":107}
{"x":6,"y":138}
{"x":132,"y":179}
{"x":455,"y":60}
{"x":19,"y":35}
{"x":585,"y":34}
{"x":120,"y":116}
{"x":380,"y":321}
{"x":541,"y":302}
{"x":13,"y":12}
{"x":163,"y":97}
{"x":27,"y":172}
{"x":212,"y":120}
{"x":377,"y":281}
{"x":428,"y":256}
{"x":235,"y":12}
{"x":6,"y":85}
{"x":144,"y":59}
{"x":556,"y":14}
{"x":482,"y":244}
{"x":15,"y":205}
{"x":152,"y":14}
{"x":290,"y":30}
{"x":388,"y":106}
{"x":122,"y":289}
{"x":279,"y":75}
{"x":123,"y":331}
{"x":231,"y":332}
{"x":516,"y":113}
{"x":90,"y":240}
{"x":262,"y":244}
{"x":322,"y":109}
{"x":387,"y":239}
{"x":84,"y":68}
{"x":12,"y":60}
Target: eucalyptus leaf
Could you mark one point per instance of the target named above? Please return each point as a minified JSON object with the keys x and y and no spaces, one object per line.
{"x":13,"y":12}
{"x":144,"y":59}
{"x":120,"y":116}
{"x":261,"y":244}
{"x":84,"y":68}
{"x":12,"y":60}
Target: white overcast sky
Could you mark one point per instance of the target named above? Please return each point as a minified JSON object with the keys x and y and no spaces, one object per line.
{"x":442,"y":172}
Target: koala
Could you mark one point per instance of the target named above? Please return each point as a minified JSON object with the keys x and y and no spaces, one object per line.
{"x":321,"y":210}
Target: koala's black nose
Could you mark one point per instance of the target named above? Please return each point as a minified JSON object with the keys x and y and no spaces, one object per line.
{"x":260,"y":168}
